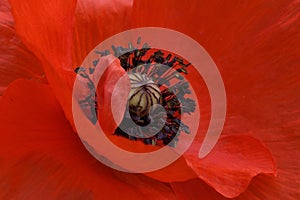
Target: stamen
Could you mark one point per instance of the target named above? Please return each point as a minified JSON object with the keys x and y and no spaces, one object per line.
{"x":89,"y":104}
{"x":153,"y":92}
{"x":164,"y":87}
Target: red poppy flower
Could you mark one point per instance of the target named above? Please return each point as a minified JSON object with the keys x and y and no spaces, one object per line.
{"x":255,"y":45}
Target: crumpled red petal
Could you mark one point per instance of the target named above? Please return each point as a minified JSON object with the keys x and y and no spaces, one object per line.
{"x":47,"y":31}
{"x":73,"y":35}
{"x":106,"y":88}
{"x":16,"y":61}
{"x":41,"y":156}
{"x":258,"y":59}
{"x":269,"y":107}
{"x":231,"y":165}
{"x":95,"y":21}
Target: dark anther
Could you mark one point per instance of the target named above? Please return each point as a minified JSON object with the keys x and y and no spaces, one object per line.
{"x":95,"y":62}
{"x":139,"y":40}
{"x":166,"y":87}
{"x":79,"y":69}
{"x":91,"y":70}
{"x":89,"y":104}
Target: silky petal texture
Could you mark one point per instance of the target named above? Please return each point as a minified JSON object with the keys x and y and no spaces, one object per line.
{"x":16,"y":61}
{"x":95,"y":21}
{"x":106,"y":87}
{"x":41,"y":157}
{"x":258,"y":57}
{"x":273,"y":114}
{"x":232,"y":164}
{"x":47,"y":31}
{"x":73,"y":35}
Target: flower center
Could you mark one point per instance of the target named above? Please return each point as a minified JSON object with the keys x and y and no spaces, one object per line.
{"x":157,"y":95}
{"x":156,"y":78}
{"x":143,"y":95}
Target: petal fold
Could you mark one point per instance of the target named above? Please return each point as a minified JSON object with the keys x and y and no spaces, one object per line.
{"x":16,"y":61}
{"x":95,"y":21}
{"x":47,"y":31}
{"x":41,"y":157}
{"x":232,"y":164}
{"x":46,"y":28}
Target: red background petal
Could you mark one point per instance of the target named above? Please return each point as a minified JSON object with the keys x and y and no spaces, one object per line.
{"x":45,"y":159}
{"x":16,"y":61}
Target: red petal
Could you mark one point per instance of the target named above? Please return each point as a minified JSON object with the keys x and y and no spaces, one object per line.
{"x":195,"y":189}
{"x":108,"y":119}
{"x":49,"y":36}
{"x":264,"y":101}
{"x":49,"y":33}
{"x":57,"y":19}
{"x":16,"y":61}
{"x":41,"y":156}
{"x":258,"y":58}
{"x":231,"y":165}
{"x":177,"y":171}
{"x":96,"y":21}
